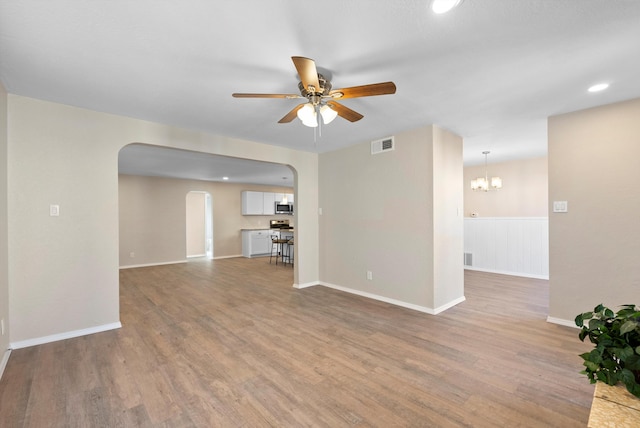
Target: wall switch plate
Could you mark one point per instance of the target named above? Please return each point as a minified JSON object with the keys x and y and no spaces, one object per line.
{"x":132,"y":254}
{"x":54,"y":210}
{"x":560,"y":206}
{"x":2,"y":326}
{"x":369,"y":275}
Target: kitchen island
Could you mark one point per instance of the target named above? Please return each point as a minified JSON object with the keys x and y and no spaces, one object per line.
{"x":256,"y":242}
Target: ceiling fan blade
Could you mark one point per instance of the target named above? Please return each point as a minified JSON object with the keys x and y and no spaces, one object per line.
{"x":292,"y":114}
{"x":345,"y":112}
{"x":384,"y":88}
{"x":307,"y":71}
{"x":288,"y":96}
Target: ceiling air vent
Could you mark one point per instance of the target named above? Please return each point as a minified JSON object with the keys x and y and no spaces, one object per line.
{"x":383,"y":145}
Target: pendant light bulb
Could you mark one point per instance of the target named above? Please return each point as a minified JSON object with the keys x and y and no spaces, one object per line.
{"x":307,"y":114}
{"x":328,"y":114}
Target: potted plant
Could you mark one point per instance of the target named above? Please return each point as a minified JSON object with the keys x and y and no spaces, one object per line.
{"x":616,"y":356}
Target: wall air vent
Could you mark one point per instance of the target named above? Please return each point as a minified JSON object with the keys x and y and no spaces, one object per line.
{"x":383,"y":145}
{"x":468,"y":259}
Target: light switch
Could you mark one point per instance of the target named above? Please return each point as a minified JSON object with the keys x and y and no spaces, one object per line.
{"x":560,"y":206}
{"x":54,"y":210}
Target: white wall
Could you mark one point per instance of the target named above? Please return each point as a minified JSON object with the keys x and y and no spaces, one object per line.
{"x":508,"y":245}
{"x":387,"y":214}
{"x":593,"y":164}
{"x":63,"y":271}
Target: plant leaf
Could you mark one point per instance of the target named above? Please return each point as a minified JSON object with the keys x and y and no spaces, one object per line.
{"x":627,"y":327}
{"x":632,"y":362}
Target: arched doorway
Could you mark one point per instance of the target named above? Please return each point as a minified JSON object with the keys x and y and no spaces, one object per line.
{"x":199,"y":224}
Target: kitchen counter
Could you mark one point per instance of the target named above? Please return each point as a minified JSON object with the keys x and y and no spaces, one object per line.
{"x":257,"y":241}
{"x":265,"y":228}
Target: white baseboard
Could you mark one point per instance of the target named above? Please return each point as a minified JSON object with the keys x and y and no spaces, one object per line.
{"x":306,"y":284}
{"x":4,"y":361}
{"x":227,"y":257}
{"x":502,"y":272}
{"x":197,"y":256}
{"x":449,"y":305}
{"x":153,"y":264}
{"x":66,"y":335}
{"x":419,"y":308}
{"x":560,"y":321}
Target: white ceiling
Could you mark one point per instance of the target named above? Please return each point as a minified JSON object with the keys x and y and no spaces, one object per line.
{"x":491,"y":71}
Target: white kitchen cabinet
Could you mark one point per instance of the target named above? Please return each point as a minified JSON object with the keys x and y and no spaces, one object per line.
{"x":252,"y":203}
{"x":256,"y":243}
{"x":280,"y":197}
{"x":269,"y":203}
{"x":262,"y":203}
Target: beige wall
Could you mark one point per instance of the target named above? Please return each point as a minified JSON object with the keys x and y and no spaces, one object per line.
{"x":195,"y":224}
{"x":593,"y":164}
{"x":524,"y":192}
{"x":382,"y":214}
{"x":153,"y":217}
{"x":448,"y":227}
{"x":4,"y":279}
{"x":63,"y":271}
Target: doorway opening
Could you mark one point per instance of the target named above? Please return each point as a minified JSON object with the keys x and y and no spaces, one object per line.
{"x":199,"y":224}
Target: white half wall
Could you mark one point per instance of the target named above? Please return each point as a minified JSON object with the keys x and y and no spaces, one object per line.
{"x":511,"y":246}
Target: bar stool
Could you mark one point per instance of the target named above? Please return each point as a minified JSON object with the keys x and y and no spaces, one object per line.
{"x":290,"y":251}
{"x":277,"y":244}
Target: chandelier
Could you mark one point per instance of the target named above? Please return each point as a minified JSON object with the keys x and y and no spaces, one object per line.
{"x":483,"y":183}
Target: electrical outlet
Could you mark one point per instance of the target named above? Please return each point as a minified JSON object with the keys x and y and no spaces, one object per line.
{"x":2,"y":326}
{"x":132,"y":254}
{"x":369,"y":275}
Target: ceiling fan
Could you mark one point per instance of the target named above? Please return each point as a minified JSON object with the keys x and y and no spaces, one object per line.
{"x":320,"y":97}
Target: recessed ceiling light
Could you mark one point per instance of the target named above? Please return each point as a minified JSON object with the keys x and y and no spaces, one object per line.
{"x":444,"y":6}
{"x":599,"y":87}
{"x":225,"y":178}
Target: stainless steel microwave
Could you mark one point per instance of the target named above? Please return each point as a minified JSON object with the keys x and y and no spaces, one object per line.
{"x":284,"y":208}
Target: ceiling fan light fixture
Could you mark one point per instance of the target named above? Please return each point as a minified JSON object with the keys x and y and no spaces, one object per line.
{"x":307,"y":115}
{"x":444,"y":6}
{"x":311,"y":123}
{"x":328,"y":114}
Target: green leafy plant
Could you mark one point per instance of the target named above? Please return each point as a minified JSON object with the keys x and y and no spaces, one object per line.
{"x":616,"y":356}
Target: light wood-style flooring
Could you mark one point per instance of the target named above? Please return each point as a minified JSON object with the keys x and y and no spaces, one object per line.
{"x":229,"y":343}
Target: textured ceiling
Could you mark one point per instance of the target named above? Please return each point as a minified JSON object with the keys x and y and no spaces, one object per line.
{"x":491,"y":71}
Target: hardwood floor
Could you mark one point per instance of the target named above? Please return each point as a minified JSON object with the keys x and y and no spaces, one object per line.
{"x":230,"y":343}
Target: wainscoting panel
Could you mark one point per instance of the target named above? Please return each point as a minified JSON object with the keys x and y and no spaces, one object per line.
{"x":509,"y":245}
